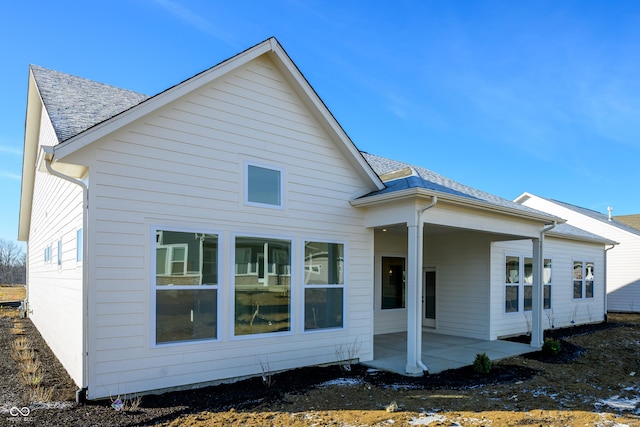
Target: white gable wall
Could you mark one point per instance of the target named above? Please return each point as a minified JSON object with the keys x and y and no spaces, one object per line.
{"x":623,"y":269}
{"x":564,"y":308}
{"x":55,"y":292}
{"x":183,"y":167}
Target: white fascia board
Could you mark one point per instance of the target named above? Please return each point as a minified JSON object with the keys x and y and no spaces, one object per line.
{"x":456,"y":200}
{"x":320,"y":107}
{"x":163,"y":98}
{"x":29,"y":157}
{"x":601,"y":241}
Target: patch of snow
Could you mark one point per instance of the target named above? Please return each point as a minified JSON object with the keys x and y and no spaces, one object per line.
{"x":50,"y":405}
{"x":427,"y":419}
{"x":620,"y":403}
{"x":403,"y":386}
{"x":342,"y":382}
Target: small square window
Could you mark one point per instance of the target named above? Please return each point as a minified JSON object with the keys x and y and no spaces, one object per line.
{"x":263,"y":186}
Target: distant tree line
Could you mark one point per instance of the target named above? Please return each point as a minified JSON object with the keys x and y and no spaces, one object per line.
{"x":13,"y":264}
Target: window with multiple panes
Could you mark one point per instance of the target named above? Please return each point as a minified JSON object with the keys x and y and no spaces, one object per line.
{"x":519,"y":281}
{"x":393,"y":283}
{"x":583,"y":272}
{"x":323,"y":285}
{"x":263,"y":186}
{"x":47,"y":255}
{"x":262,"y":285}
{"x":186,"y":286}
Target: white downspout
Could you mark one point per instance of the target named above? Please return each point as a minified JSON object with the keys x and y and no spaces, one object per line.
{"x":606,"y":271}
{"x":48,"y":157}
{"x":421,"y":211}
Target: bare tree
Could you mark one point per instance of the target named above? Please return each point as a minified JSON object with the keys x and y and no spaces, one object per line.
{"x":12,"y":263}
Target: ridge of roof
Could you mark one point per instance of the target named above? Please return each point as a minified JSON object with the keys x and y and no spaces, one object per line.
{"x":75,"y":104}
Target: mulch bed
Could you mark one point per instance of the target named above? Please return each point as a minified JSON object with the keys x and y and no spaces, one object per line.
{"x":243,"y":394}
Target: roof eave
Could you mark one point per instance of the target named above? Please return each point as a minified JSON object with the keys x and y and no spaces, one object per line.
{"x":33,"y":114}
{"x":601,"y":241}
{"x":455,"y":200}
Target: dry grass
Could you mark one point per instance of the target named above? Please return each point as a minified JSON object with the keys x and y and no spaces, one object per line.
{"x":9,"y":312}
{"x":21,"y":344}
{"x":30,"y":379}
{"x":38,"y":394}
{"x":12,"y":293}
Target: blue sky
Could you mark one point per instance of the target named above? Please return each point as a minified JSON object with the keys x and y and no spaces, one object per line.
{"x":503,"y":96}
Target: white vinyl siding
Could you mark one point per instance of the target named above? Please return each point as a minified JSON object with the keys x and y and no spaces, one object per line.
{"x":55,"y":288}
{"x":622,"y":268}
{"x":565,"y":310}
{"x":183,"y":167}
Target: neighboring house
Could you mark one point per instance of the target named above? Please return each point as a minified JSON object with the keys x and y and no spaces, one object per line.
{"x":632,"y":220}
{"x":229,"y":223}
{"x":623,"y":269}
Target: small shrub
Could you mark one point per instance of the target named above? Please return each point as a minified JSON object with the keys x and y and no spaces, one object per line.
{"x":38,"y":394}
{"x":551,"y":347}
{"x":482,"y":364}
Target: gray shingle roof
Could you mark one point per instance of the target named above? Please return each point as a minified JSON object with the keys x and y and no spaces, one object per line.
{"x":597,"y":216}
{"x":569,"y":231}
{"x":431,"y":180}
{"x":75,"y":104}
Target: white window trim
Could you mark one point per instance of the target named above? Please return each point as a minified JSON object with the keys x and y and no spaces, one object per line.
{"x":59,"y":253}
{"x":293,"y":295}
{"x":583,"y":287}
{"x":521,"y":284}
{"x":79,"y":246}
{"x":156,"y":230}
{"x":327,"y":286}
{"x":245,"y":175}
{"x":47,"y":254}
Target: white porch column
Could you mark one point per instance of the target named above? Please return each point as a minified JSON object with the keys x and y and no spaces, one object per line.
{"x":414,"y":332}
{"x":537,"y":303}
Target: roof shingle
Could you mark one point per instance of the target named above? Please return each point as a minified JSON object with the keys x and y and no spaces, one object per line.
{"x":75,"y":104}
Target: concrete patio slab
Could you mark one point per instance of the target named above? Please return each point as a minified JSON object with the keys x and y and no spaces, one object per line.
{"x":439,"y":352}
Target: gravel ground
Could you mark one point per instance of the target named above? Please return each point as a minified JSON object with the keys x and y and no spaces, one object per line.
{"x":592,"y":382}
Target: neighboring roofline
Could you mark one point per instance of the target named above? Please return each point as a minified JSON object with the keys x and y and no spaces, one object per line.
{"x":284,"y":63}
{"x":597,"y":216}
{"x":418,"y":192}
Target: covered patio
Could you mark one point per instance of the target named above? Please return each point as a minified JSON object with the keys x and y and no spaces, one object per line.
{"x":439,"y":352}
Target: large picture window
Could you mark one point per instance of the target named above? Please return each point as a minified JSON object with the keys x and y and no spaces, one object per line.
{"x":393,"y":283}
{"x":583,"y":279}
{"x":323,"y":285}
{"x":263,"y":186}
{"x":262,"y":285}
{"x":186,"y":286}
{"x":519,"y":281}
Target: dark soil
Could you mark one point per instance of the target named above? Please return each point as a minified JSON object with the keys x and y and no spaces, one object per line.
{"x":363,"y":395}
